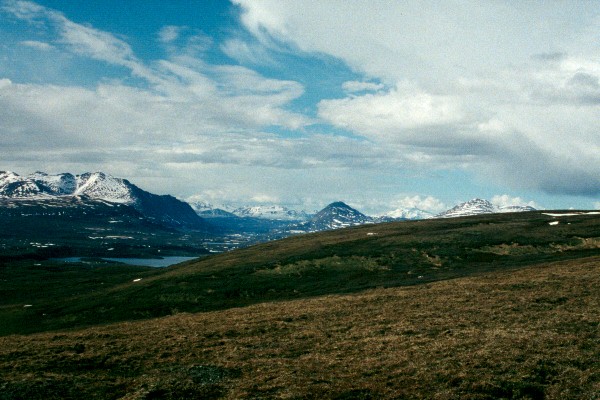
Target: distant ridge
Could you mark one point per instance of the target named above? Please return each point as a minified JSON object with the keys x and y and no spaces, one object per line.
{"x":479,"y":206}
{"x":335,"y":216}
{"x":269,"y":212}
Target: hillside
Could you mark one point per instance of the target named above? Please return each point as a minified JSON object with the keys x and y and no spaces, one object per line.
{"x":341,"y":261}
{"x":531,"y":333}
{"x":80,"y":226}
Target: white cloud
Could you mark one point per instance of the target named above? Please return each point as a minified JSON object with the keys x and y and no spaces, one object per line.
{"x":392,"y":114}
{"x":110,"y":115}
{"x":442,"y":86}
{"x":424,"y":41}
{"x":37,"y":45}
{"x":360,"y":86}
{"x":4,"y":83}
{"x":515,"y":102}
{"x":265,"y":199}
{"x":506,"y":200}
{"x":23,"y":9}
{"x":220,"y":98}
{"x":81,"y":39}
{"x":428,"y":203}
{"x":247,"y":52}
{"x":169,"y":33}
{"x":597,"y":205}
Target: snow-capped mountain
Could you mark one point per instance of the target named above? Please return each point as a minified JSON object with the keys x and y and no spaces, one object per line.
{"x":207,"y":210}
{"x":201,"y":206}
{"x":100,"y":186}
{"x":335,"y":216}
{"x":95,"y":185}
{"x":271,"y":212}
{"x":407,"y":214}
{"x":480,"y":206}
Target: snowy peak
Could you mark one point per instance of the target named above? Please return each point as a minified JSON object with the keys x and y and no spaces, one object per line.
{"x":268,"y":212}
{"x":101,"y":186}
{"x":273,"y":212}
{"x":15,"y":186}
{"x":8,"y":176}
{"x":471,"y":207}
{"x":201,"y":206}
{"x":59,"y":185}
{"x":480,"y":206}
{"x":335,"y":216}
{"x":95,"y":185}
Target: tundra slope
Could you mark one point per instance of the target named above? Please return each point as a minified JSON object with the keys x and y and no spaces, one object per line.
{"x":339,"y":261}
{"x":531,"y":333}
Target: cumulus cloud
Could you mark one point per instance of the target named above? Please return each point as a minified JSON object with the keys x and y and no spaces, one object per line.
{"x":505,"y":200}
{"x":108,"y":116}
{"x":424,"y":41}
{"x":427,"y":203}
{"x":516,"y":103}
{"x":390,"y":114}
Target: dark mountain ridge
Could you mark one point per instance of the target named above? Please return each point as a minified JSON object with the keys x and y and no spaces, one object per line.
{"x":164,"y":209}
{"x":335,"y":216}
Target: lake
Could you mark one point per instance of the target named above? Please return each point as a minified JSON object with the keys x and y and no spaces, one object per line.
{"x":146,"y":262}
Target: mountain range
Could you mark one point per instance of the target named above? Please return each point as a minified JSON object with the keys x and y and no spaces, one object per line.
{"x":334,"y":216}
{"x":272,"y":212}
{"x":98,"y":186}
{"x":270,"y":220}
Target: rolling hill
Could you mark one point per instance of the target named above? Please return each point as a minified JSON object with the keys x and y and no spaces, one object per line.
{"x":340,"y":261}
{"x":528,"y":333}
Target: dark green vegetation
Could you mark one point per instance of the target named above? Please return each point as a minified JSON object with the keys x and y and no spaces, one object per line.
{"x":343,"y":261}
{"x":63,"y":227}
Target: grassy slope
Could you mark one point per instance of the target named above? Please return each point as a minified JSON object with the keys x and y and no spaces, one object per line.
{"x":527,"y":333}
{"x":345,"y":261}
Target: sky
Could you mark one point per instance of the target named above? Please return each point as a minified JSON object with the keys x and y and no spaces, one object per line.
{"x":381,"y":104}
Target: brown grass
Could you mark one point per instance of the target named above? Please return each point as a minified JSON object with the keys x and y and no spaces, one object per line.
{"x":531,"y":333}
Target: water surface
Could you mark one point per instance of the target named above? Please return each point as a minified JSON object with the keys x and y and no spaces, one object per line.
{"x":146,"y":262}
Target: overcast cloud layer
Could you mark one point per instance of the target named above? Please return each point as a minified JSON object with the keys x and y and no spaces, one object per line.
{"x":507,"y":92}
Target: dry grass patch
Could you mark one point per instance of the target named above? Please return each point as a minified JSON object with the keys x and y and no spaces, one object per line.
{"x":531,"y":333}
